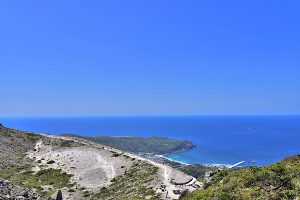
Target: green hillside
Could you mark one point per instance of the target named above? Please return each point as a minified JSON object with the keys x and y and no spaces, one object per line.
{"x":155,"y":145}
{"x":16,"y":167}
{"x":196,"y":170}
{"x":280,"y":180}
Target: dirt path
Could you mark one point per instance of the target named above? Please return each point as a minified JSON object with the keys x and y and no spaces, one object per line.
{"x":170,"y":175}
{"x":90,"y":168}
{"x":93,"y":168}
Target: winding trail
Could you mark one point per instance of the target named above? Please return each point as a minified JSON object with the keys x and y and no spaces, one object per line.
{"x":93,"y":171}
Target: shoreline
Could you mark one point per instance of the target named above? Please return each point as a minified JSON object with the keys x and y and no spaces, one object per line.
{"x":172,"y":160}
{"x":161,"y":157}
{"x":219,"y":165}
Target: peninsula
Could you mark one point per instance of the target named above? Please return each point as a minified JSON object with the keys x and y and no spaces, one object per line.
{"x":137,"y":145}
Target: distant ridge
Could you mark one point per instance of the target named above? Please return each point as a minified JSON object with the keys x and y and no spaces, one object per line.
{"x":154,"y":145}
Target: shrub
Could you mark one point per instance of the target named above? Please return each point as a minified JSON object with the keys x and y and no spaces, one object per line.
{"x":51,"y":162}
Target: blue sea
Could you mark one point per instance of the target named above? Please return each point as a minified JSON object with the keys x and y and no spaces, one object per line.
{"x":219,"y":139}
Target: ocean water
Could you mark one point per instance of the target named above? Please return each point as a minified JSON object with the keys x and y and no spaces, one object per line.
{"x":219,"y":139}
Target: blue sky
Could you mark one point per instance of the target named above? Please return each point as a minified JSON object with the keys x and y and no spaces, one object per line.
{"x":149,"y":57}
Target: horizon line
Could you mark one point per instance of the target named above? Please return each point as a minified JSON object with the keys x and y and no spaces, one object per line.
{"x":144,"y":115}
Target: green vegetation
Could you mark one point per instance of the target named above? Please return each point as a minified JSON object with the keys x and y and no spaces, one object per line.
{"x":155,"y":145}
{"x":86,"y":194}
{"x":134,"y":184}
{"x":66,"y":143}
{"x":50,"y":162}
{"x":13,"y":146}
{"x":32,"y":137}
{"x":280,"y":180}
{"x":196,"y":170}
{"x":116,"y":155}
{"x":16,"y":167}
{"x":23,"y":176}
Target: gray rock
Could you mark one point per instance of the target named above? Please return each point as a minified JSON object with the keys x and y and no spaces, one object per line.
{"x":12,"y":192}
{"x":59,"y":195}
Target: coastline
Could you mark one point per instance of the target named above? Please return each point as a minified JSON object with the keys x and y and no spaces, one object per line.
{"x":172,"y":160}
{"x":195,"y":128}
{"x":218,"y":165}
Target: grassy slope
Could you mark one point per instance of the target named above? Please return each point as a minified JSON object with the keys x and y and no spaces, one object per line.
{"x":196,"y":170}
{"x":134,"y":184}
{"x":16,"y":167}
{"x":155,"y":145}
{"x":13,"y":145}
{"x":277,"y":181}
{"x":280,"y":180}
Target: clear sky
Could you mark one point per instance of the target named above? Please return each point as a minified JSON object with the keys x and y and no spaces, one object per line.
{"x":149,"y":57}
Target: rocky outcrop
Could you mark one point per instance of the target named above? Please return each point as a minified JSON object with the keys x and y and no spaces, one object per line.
{"x":11,"y":192}
{"x":59,"y":195}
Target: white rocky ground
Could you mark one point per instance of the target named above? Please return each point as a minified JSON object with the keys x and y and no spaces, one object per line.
{"x":94,"y":166}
